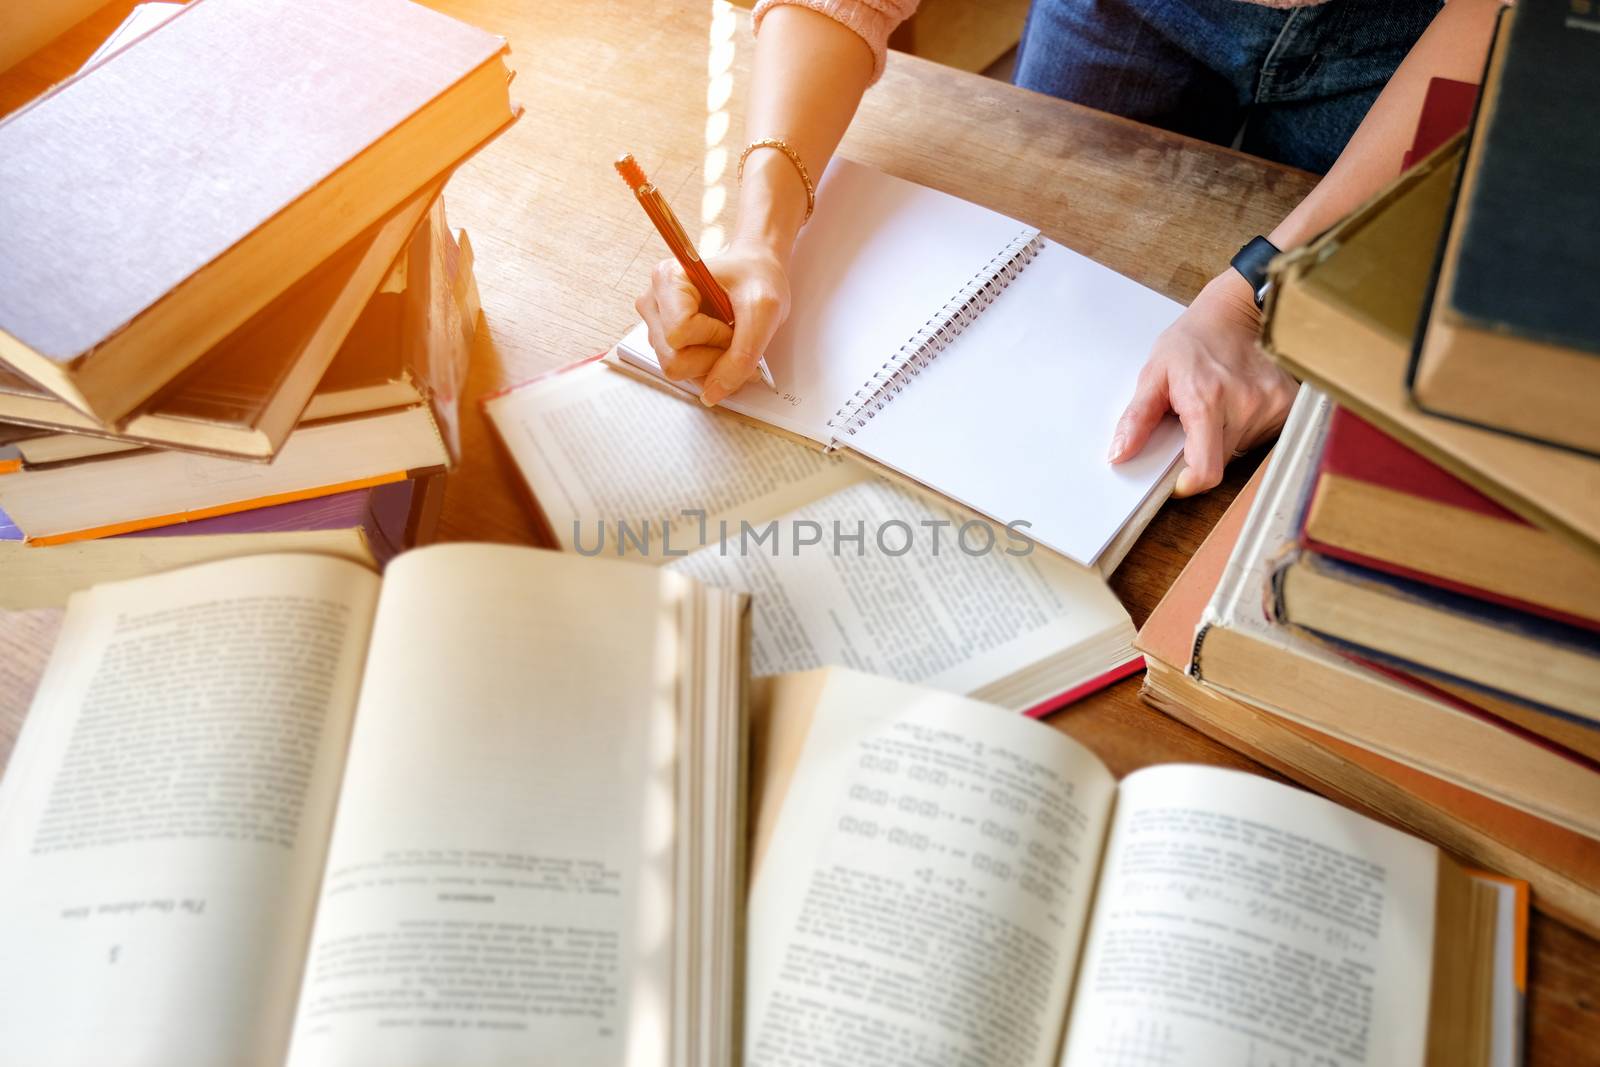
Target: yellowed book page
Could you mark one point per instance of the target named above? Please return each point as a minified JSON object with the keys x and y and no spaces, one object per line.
{"x":1240,"y":921}
{"x":881,"y":579}
{"x":26,"y":638}
{"x":497,"y":890}
{"x":165,"y":816}
{"x":781,"y":710}
{"x":600,"y":449}
{"x":927,"y":885}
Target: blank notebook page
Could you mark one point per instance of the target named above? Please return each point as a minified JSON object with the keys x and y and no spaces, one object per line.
{"x":1015,"y":417}
{"x":878,"y":259}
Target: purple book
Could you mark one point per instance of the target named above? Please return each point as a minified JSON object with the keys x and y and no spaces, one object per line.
{"x":383,"y":510}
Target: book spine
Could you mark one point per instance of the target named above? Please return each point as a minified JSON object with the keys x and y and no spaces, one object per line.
{"x":1243,"y":598}
{"x":935,"y":335}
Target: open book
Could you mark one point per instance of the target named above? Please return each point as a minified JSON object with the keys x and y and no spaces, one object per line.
{"x":964,"y":350}
{"x":850,"y":569}
{"x":939,"y":882}
{"x":536,"y":763}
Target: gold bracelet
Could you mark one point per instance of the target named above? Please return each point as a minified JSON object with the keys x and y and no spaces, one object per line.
{"x":794,"y":157}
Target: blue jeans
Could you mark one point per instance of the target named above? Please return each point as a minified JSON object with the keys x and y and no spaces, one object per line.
{"x":1296,"y":82}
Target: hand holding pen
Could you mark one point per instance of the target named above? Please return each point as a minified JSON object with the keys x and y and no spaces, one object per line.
{"x":693,"y":326}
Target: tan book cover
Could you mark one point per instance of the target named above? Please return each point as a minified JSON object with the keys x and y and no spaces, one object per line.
{"x":243,"y":397}
{"x":1341,"y":314}
{"x":158,"y":199}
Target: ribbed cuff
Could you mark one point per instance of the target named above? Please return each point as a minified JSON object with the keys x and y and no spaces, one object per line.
{"x":870,"y":24}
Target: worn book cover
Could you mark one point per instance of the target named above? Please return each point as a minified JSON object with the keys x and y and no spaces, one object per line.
{"x":1510,"y":339}
{"x":157,"y":200}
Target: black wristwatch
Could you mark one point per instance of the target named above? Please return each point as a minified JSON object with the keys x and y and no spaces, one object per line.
{"x":1251,"y":262}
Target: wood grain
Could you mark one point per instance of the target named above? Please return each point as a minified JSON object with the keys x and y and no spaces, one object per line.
{"x":562,"y":250}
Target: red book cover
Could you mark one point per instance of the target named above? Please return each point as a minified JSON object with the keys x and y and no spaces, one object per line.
{"x":1446,"y":111}
{"x":1359,"y":450}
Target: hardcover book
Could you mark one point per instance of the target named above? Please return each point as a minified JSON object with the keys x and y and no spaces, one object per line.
{"x":1379,"y":504}
{"x":1446,"y":111}
{"x":369,"y":526}
{"x":1562,"y":866}
{"x":1509,"y":652}
{"x":103,"y":300}
{"x":246,"y":395}
{"x":149,"y":488}
{"x":1243,"y":648}
{"x":1510,"y":339}
{"x":1341,"y":314}
{"x":243,"y":397}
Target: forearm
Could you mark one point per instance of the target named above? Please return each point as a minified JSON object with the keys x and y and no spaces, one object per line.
{"x":808,"y":77}
{"x":1454,"y":46}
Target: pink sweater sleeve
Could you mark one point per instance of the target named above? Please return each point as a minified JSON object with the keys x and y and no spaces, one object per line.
{"x":873,"y":20}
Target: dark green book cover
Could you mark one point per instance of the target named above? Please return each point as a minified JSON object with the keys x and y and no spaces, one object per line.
{"x":1530,"y":245}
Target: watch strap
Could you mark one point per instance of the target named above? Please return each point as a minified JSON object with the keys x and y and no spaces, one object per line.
{"x":1251,"y":263}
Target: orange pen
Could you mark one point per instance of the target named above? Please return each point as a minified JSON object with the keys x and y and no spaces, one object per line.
{"x":672,"y":232}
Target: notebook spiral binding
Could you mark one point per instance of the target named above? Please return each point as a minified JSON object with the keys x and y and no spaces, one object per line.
{"x":935,"y":335}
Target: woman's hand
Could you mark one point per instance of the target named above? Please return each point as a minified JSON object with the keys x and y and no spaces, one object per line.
{"x":692,"y":344}
{"x":1206,"y":368}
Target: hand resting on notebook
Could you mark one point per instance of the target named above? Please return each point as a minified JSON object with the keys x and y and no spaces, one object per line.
{"x":1206,"y":368}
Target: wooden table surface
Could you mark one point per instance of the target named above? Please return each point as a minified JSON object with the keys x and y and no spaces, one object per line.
{"x":562,"y":250}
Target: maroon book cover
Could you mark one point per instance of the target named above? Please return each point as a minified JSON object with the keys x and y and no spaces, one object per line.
{"x":1359,"y":451}
{"x":1446,"y":111}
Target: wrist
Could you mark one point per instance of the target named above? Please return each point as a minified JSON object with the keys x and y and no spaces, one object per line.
{"x":1230,"y":295}
{"x":772,"y":204}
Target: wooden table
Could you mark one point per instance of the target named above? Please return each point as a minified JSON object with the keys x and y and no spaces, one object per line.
{"x":562,"y":251}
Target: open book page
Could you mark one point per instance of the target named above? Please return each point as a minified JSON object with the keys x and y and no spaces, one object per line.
{"x":1239,"y":921}
{"x":1015,"y":417}
{"x":915,"y":595}
{"x":26,"y":638}
{"x":164,"y":819}
{"x":140,"y":21}
{"x":923,"y":894}
{"x":1510,"y":972}
{"x":494,"y":892}
{"x":601,"y":450}
{"x":880,"y":258}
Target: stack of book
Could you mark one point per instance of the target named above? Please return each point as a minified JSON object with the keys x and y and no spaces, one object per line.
{"x":1404,"y":609}
{"x":224,"y":327}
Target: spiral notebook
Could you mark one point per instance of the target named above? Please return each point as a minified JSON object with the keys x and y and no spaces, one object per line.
{"x":965,"y":351}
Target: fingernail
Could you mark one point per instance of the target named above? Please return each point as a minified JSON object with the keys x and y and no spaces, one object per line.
{"x":716,"y":391}
{"x":1118,"y":443}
